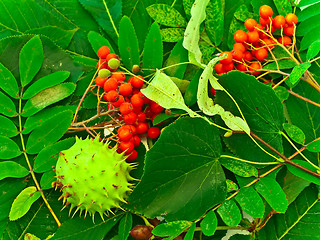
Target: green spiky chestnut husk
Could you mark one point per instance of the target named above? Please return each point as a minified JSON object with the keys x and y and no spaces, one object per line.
{"x":93,"y":177}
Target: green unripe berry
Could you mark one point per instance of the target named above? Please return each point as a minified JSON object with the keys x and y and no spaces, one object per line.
{"x":104,"y":73}
{"x":114,"y":63}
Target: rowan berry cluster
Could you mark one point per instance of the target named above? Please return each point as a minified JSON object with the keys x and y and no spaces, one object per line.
{"x":253,"y":46}
{"x":130,"y":105}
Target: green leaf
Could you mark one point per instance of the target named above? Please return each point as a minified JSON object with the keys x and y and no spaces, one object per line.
{"x":7,"y":107}
{"x":283,"y":6}
{"x":295,"y":133}
{"x":304,"y":3}
{"x":231,"y":186}
{"x":301,"y":221}
{"x":190,"y":96}
{"x":272,"y":193}
{"x":47,"y":179}
{"x":152,"y":52}
{"x":181,"y":84}
{"x":29,"y":236}
{"x":97,"y":41}
{"x":7,"y":127}
{"x":298,"y":71}
{"x":166,"y":15}
{"x":209,"y":224}
{"x":172,"y":34}
{"x":45,"y":82}
{"x":23,"y":202}
{"x":309,"y":25}
{"x":12,"y":169}
{"x":172,"y":229}
{"x":302,"y":174}
{"x":128,"y":43}
{"x":47,"y":158}
{"x":79,"y":228}
{"x":190,"y":233}
{"x":314,"y":146}
{"x":250,"y":202}
{"x":49,"y":132}
{"x":178,"y":55}
{"x":237,"y":167}
{"x":313,"y":50}
{"x":47,"y":97}
{"x":8,"y":148}
{"x":230,"y":213}
{"x":282,"y":64}
{"x":215,"y":21}
{"x":8,"y":83}
{"x":308,"y":39}
{"x":282,"y":93}
{"x":163,"y":116}
{"x":183,"y":177}
{"x":125,"y":226}
{"x":308,"y":12}
{"x":30,"y":60}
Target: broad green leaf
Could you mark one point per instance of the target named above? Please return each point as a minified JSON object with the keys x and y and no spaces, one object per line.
{"x":8,"y":148}
{"x":178,"y":55}
{"x":12,"y":169}
{"x":207,"y":50}
{"x":7,"y":127}
{"x":125,"y":226}
{"x":308,"y":39}
{"x":23,"y":202}
{"x":250,"y":202}
{"x":190,"y":233}
{"x":190,"y":96}
{"x":97,"y":41}
{"x":41,"y":117}
{"x":209,"y":224}
{"x":282,"y":64}
{"x":172,"y":229}
{"x":187,"y":5}
{"x":282,"y":93}
{"x":88,"y":230}
{"x":47,"y":158}
{"x":231,"y":186}
{"x":166,"y":15}
{"x":30,"y":60}
{"x":310,"y":11}
{"x":153,"y":50}
{"x":305,"y":3}
{"x":298,"y":71}
{"x":313,"y":50}
{"x":265,"y":120}
{"x":45,"y":82}
{"x":283,"y":6}
{"x":47,"y":179}
{"x":58,"y":35}
{"x":192,"y":33}
{"x":302,"y":174}
{"x":128,"y":43}
{"x":172,"y":34}
{"x":181,"y":84}
{"x":47,"y":97}
{"x":29,"y":236}
{"x":272,"y":193}
{"x":314,"y":146}
{"x":230,"y":213}
{"x":309,"y":25}
{"x":237,"y":167}
{"x":293,"y":186}
{"x":49,"y":132}
{"x":301,"y":221}
{"x":164,"y":116}
{"x":8,"y":83}
{"x":182,"y":176}
{"x":215,"y":21}
{"x":7,"y":107}
{"x":295,"y":133}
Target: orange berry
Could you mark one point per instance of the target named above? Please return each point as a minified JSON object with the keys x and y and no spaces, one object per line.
{"x":241,"y":67}
{"x":261,"y":54}
{"x":130,"y":118}
{"x":102,"y":64}
{"x":136,"y":100}
{"x":285,"y":40}
{"x":133,"y":156}
{"x":125,"y":134}
{"x":219,"y":68}
{"x":155,"y":107}
{"x":100,"y":81}
{"x":269,"y":43}
{"x":126,"y":108}
{"x":153,"y":132}
{"x":125,"y":89}
{"x":289,"y":30}
{"x":126,"y":146}
{"x":137,"y":81}
{"x":254,"y":67}
{"x":226,"y":60}
{"x":265,"y":21}
{"x":253,"y":36}
{"x":142,"y":127}
{"x":119,"y":76}
{"x":239,"y":46}
{"x":237,"y":54}
{"x":248,"y":56}
{"x":110,"y":84}
{"x":279,"y":22}
{"x":119,"y":102}
{"x":250,"y":24}
{"x":265,"y":11}
{"x":240,"y":36}
{"x":291,"y":19}
{"x":103,"y":52}
{"x":112,"y":96}
{"x":112,"y":55}
{"x":228,"y":67}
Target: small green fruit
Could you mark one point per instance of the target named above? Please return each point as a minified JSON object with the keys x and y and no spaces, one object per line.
{"x":113,"y":63}
{"x":104,"y":73}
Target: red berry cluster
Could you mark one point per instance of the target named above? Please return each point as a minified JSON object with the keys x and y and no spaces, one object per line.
{"x":252,"y":47}
{"x":133,"y":107}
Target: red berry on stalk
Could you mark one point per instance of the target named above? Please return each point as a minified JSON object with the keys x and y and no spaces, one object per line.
{"x":141,"y":116}
{"x":133,"y":156}
{"x":125,"y":134}
{"x":153,"y":132}
{"x":239,"y":46}
{"x":127,"y":126}
{"x":219,"y":68}
{"x":261,"y":54}
{"x":137,"y":81}
{"x":291,"y":19}
{"x":226,"y":60}
{"x":119,"y":76}
{"x":126,"y":108}
{"x":155,"y":107}
{"x":102,"y":64}
{"x":110,"y":84}
{"x":241,"y":67}
{"x":119,"y":102}
{"x":103,"y":52}
{"x":136,"y":140}
{"x":254,"y":67}
{"x":253,"y":36}
{"x":126,"y":146}
{"x":228,"y":67}
{"x":125,"y":89}
{"x":285,"y":40}
{"x":100,"y":81}
{"x":279,"y":22}
{"x":237,"y":54}
{"x":112,"y":55}
{"x":265,"y":11}
{"x":248,"y":56}
{"x":142,"y":127}
{"x":289,"y":30}
{"x":112,"y":96}
{"x":136,"y":100}
{"x":265,"y":21}
{"x":240,"y":36}
{"x":250,"y":24}
{"x":130,"y":118}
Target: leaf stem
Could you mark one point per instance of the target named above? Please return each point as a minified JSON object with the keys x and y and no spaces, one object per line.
{"x":111,"y":20}
{"x":303,"y":98}
{"x":247,"y":161}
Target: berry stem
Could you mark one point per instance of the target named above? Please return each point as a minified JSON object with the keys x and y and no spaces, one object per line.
{"x":110,"y":17}
{"x":247,"y":161}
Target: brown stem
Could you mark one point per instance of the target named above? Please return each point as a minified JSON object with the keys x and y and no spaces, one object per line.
{"x":303,"y":98}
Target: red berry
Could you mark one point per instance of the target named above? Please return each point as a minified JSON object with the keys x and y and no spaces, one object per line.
{"x":212,"y":91}
{"x":125,"y":89}
{"x":226,"y":60}
{"x":155,"y":107}
{"x":110,"y":84}
{"x":133,"y":156}
{"x":102,"y":64}
{"x":119,"y":102}
{"x":265,"y":11}
{"x":136,"y":100}
{"x":219,"y":68}
{"x":112,"y":55}
{"x":137,"y":81}
{"x":237,"y":54}
{"x":112,"y":96}
{"x":241,"y":67}
{"x":253,"y":36}
{"x":125,"y":134}
{"x":130,"y":118}
{"x":239,"y":46}
{"x":126,"y":108}
{"x":286,"y":41}
{"x":127,"y":126}
{"x":261,"y":54}
{"x":279,"y":22}
{"x":250,"y":24}
{"x":254,"y":67}
{"x":248,"y":56}
{"x":289,"y":30}
{"x":291,"y":19}
{"x":240,"y":36}
{"x":142,"y":127}
{"x":153,"y":132}
{"x":100,"y":81}
{"x":103,"y":52}
{"x":119,"y":76}
{"x":228,"y":67}
{"x":126,"y":146}
{"x":135,"y":140}
{"x":265,"y":21}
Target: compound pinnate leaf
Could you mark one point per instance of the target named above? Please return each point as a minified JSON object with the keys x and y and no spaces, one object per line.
{"x":272,"y":192}
{"x":45,"y":82}
{"x":125,"y":226}
{"x":12,"y":169}
{"x":283,"y":6}
{"x":313,"y":50}
{"x":250,"y":202}
{"x":172,"y":229}
{"x":30,"y":60}
{"x":282,"y":64}
{"x":298,"y":71}
{"x":183,"y":177}
{"x":230,"y":213}
{"x":295,"y":133}
{"x":215,"y":21}
{"x":128,"y":43}
{"x":47,"y":179}
{"x":8,"y":148}
{"x":171,"y":34}
{"x":8,"y":83}
{"x":49,"y":132}
{"x":190,"y":233}
{"x":166,"y":15}
{"x":7,"y":127}
{"x":23,"y":202}
{"x":209,"y":224}
{"x":7,"y":107}
{"x":47,"y":97}
{"x":231,"y":186}
{"x":237,"y":167}
{"x":97,"y":41}
{"x":302,"y":174}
